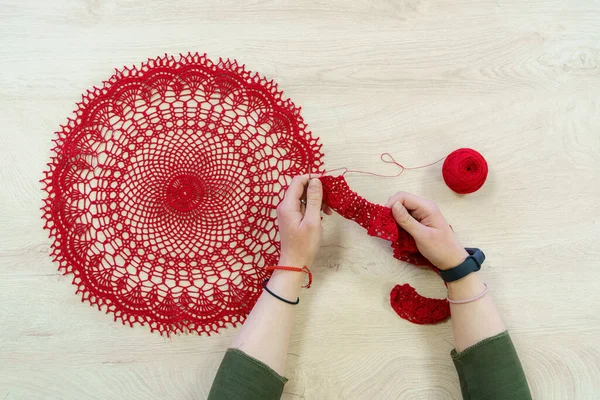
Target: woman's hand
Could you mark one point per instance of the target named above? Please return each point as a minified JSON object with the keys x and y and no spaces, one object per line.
{"x":424,"y":221}
{"x":266,"y":332}
{"x":300,"y":227}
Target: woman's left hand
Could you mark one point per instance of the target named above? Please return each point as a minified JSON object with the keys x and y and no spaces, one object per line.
{"x":299,"y":219}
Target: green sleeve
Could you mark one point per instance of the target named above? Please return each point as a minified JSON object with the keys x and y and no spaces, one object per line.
{"x":243,"y":377}
{"x":491,"y":370}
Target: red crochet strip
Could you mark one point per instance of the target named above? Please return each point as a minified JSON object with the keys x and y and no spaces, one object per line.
{"x":162,"y":191}
{"x":418,"y":309}
{"x":379,"y":222}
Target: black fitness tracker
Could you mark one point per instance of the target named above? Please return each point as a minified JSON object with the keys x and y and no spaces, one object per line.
{"x":471,"y":264}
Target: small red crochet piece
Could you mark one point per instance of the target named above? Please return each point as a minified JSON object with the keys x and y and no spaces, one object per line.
{"x":379,"y":222}
{"x":162,"y":191}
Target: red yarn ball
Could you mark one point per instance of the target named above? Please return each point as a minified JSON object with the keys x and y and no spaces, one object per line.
{"x":465,"y":171}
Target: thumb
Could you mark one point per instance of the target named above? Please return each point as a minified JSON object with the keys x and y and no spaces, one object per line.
{"x":314,"y":198}
{"x":406,"y":221}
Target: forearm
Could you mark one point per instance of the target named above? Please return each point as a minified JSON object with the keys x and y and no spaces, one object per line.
{"x":266,"y":333}
{"x":486,"y":361}
{"x":475,"y":321}
{"x":253,"y":369}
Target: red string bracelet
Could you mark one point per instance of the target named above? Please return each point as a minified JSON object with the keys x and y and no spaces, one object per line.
{"x":293,"y":269}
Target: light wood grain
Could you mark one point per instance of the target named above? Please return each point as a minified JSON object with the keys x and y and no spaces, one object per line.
{"x":519,"y":81}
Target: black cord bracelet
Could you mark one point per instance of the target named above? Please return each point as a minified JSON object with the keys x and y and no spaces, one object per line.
{"x":264,"y":284}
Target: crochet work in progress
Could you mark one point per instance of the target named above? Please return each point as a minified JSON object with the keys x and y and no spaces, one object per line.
{"x":379,"y":222}
{"x":162,"y":190}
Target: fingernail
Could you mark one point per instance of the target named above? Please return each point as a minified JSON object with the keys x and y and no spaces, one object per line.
{"x":397,"y":206}
{"x":314,"y":182}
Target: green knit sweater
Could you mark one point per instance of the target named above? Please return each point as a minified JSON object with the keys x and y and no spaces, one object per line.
{"x":488,"y":370}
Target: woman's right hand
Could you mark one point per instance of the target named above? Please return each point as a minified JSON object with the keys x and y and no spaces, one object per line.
{"x":424,"y":221}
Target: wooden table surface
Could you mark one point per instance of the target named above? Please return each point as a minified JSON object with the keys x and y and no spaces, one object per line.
{"x":517,"y":80}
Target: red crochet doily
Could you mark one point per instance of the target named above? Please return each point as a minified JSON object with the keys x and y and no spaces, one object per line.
{"x":163,"y":188}
{"x":379,"y":222}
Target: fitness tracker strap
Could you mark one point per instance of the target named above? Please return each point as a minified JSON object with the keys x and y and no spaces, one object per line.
{"x":471,"y":264}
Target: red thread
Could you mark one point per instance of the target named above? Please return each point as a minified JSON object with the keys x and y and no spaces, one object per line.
{"x":162,"y":191}
{"x":379,"y":221}
{"x":465,"y":171}
{"x":390,"y":161}
{"x":293,"y":269}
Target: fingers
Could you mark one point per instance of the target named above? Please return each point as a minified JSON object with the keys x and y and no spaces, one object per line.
{"x":410,"y":201}
{"x":295,"y":199}
{"x":407,"y":221}
{"x":314,"y":200}
{"x":293,"y":195}
{"x":418,"y":207}
{"x":296,"y":189}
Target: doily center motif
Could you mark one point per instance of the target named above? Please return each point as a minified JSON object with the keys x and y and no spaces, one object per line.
{"x":184,"y":192}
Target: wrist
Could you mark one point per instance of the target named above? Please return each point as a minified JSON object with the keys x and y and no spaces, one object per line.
{"x":290,"y":276}
{"x":287,"y":283}
{"x":453,"y":259}
{"x":465,"y":288}
{"x":293,"y":277}
{"x":292,"y":262}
